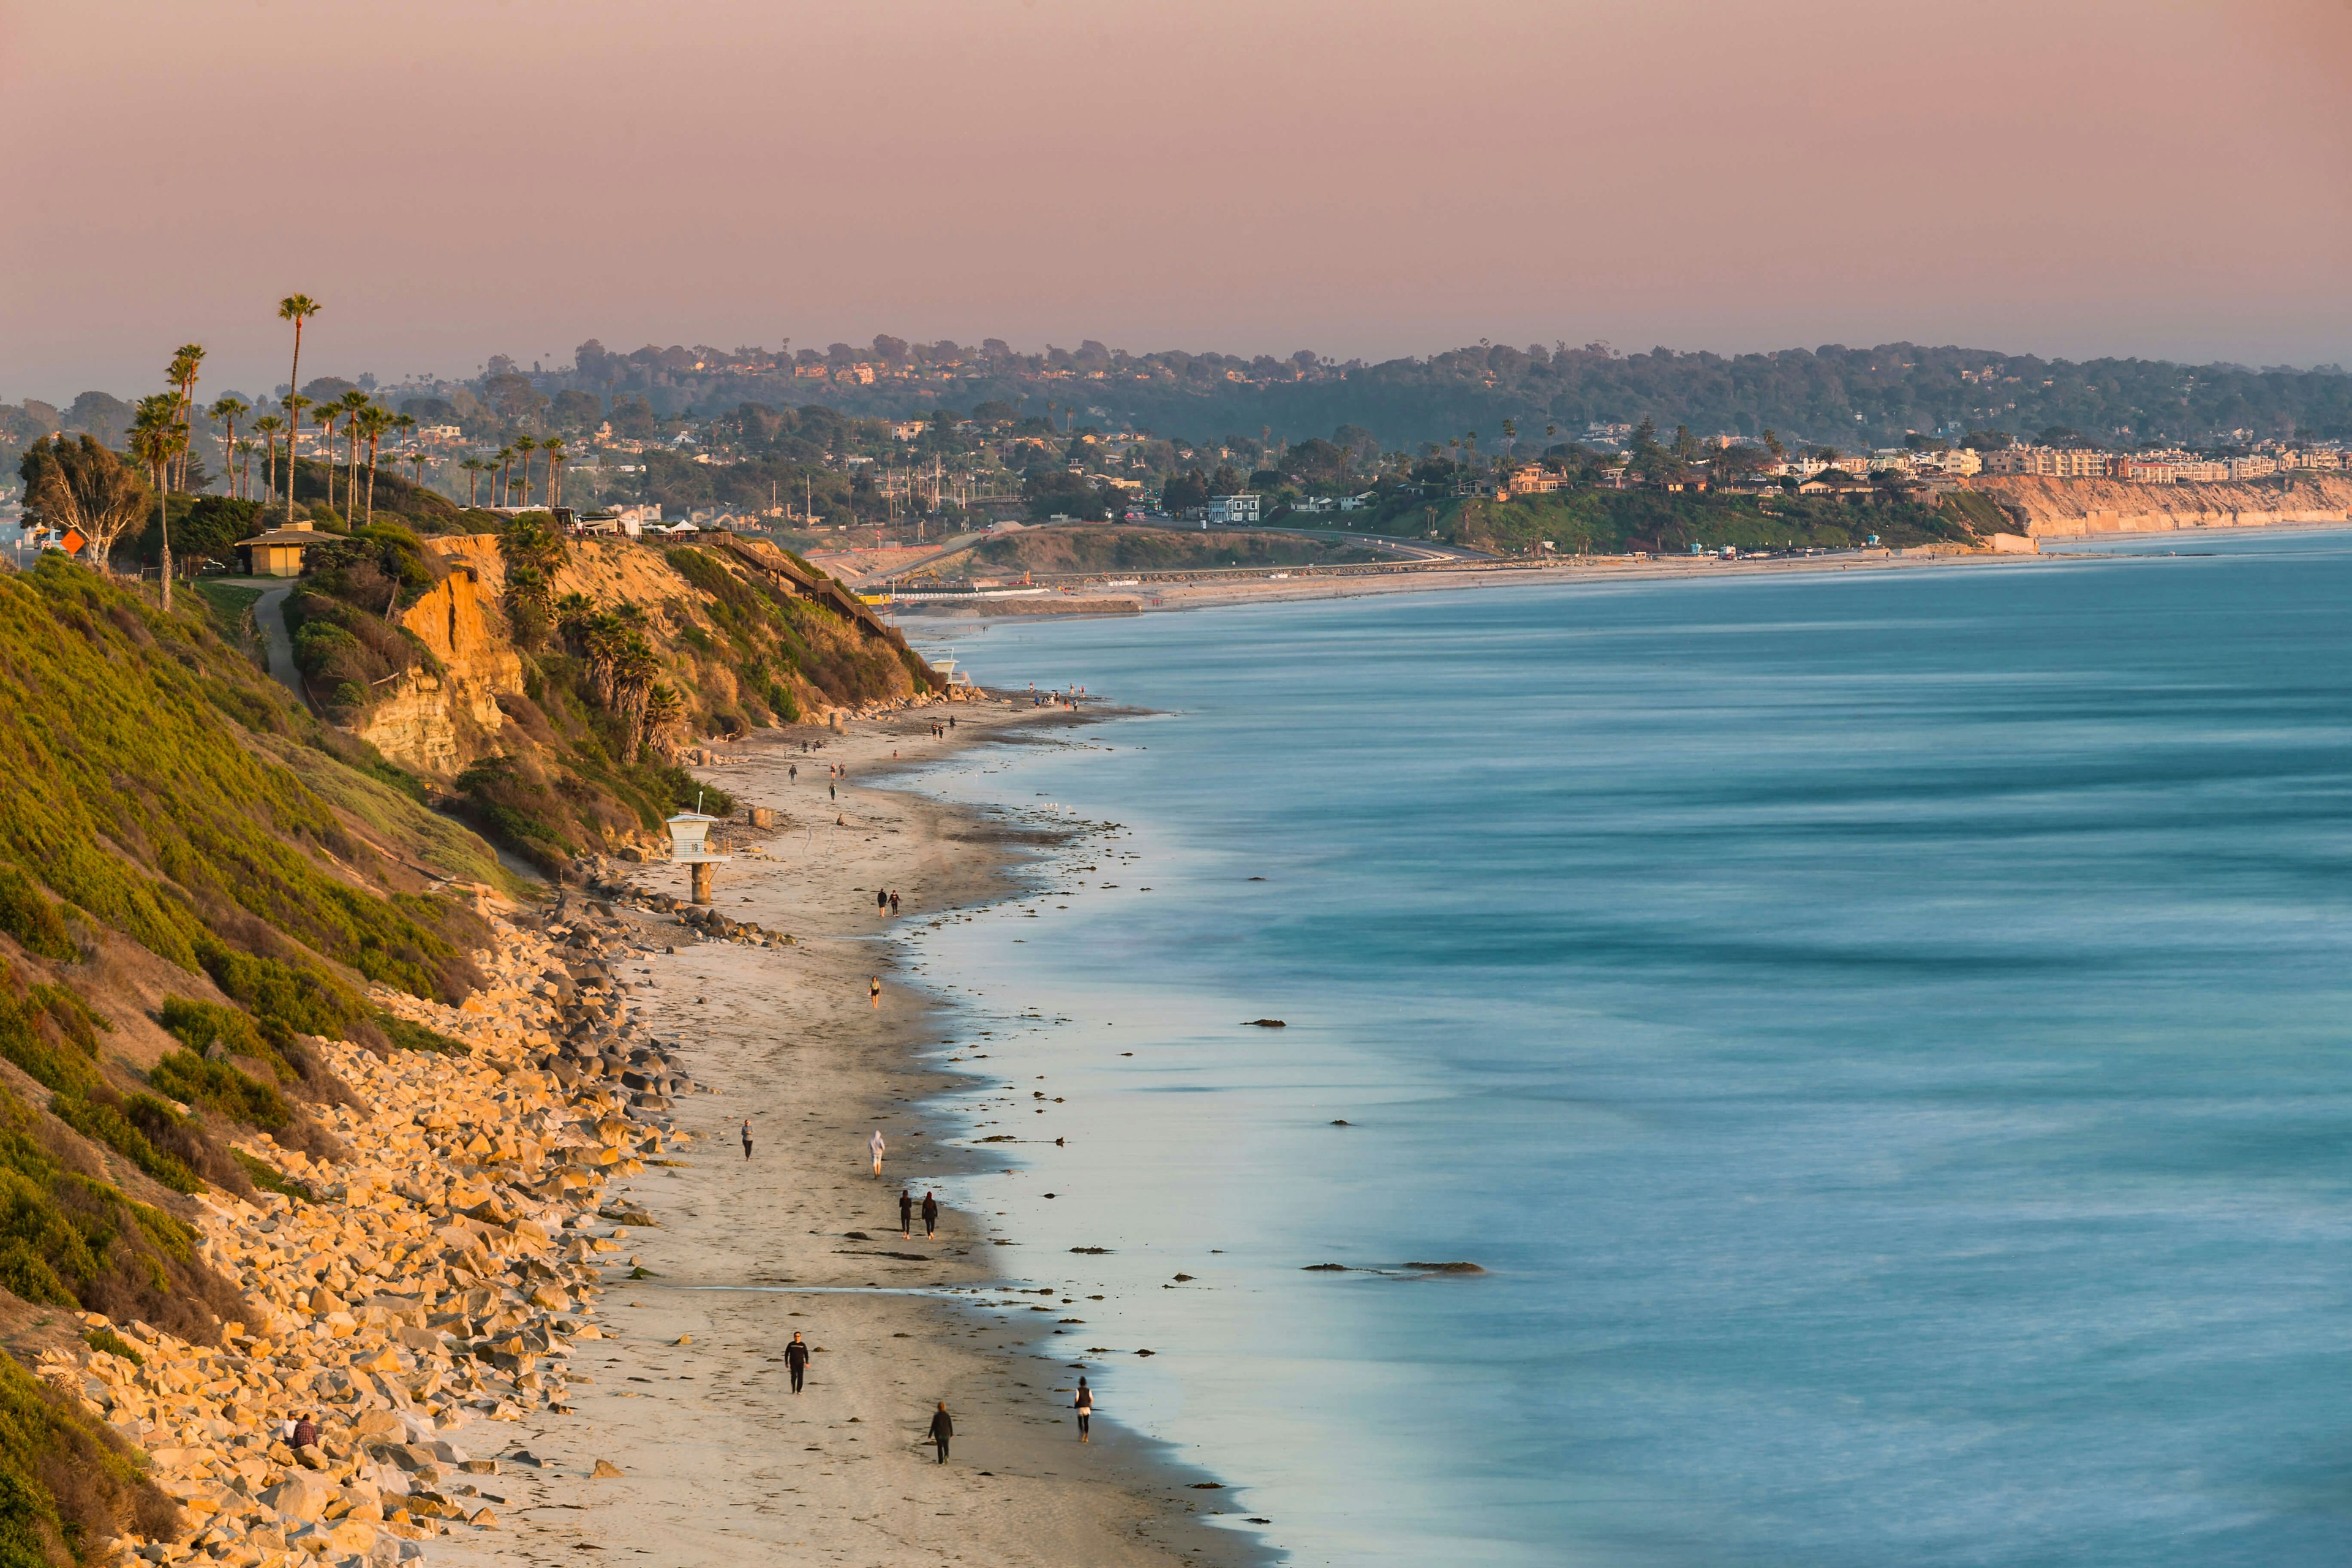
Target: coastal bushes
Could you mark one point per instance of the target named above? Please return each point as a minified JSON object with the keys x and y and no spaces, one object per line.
{"x":221,"y":1088}
{"x":32,"y":919}
{"x":65,"y":1483}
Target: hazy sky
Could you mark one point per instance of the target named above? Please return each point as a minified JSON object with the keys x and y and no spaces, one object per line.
{"x":458,"y":178}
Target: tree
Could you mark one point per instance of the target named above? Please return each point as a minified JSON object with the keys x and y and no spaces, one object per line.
{"x":228,"y":410}
{"x":532,"y":553}
{"x":181,"y":374}
{"x":372,"y":421}
{"x":75,"y":482}
{"x":505,"y":459}
{"x":553,"y":448}
{"x":472,"y":469}
{"x":210,"y":529}
{"x":524,"y":447}
{"x":245,"y":450}
{"x":156,"y":437}
{"x":297,"y":309}
{"x":267,"y":426}
{"x":356,"y":403}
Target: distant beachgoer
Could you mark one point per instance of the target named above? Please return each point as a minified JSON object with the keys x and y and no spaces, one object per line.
{"x":930,"y":1216}
{"x":881,"y":899}
{"x":875,"y":1144}
{"x":796,"y":1359}
{"x":873,"y":992}
{"x":747,"y":1138}
{"x":1085,"y":1405}
{"x":943,"y":1428}
{"x":832,"y":792}
{"x":796,"y":773}
{"x":906,"y":1215}
{"x":950,"y":721}
{"x":894,"y":901}
{"x":304,"y":1434}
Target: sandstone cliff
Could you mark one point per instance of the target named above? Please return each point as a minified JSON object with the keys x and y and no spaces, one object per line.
{"x":438,"y":723}
{"x":2060,"y":508}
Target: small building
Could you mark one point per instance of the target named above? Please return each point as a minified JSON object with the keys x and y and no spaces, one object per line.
{"x":278,"y":553}
{"x":1231,"y":509}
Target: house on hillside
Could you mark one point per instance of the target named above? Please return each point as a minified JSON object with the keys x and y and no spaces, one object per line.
{"x":1231,"y":509}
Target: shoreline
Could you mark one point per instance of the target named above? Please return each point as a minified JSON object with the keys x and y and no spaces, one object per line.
{"x":802,"y":1237}
{"x":1303,"y":585}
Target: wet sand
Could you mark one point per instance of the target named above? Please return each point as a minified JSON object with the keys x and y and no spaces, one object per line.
{"x":690,"y":1399}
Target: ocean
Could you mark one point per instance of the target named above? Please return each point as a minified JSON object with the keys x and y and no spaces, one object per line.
{"x":1882,"y":1036}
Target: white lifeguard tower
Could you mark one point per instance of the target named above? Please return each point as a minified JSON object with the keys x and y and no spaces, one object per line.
{"x":689,"y":839}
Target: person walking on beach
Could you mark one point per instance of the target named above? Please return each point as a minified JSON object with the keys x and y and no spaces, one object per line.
{"x":796,"y":772}
{"x":1085,"y":1405}
{"x":875,"y":1144}
{"x":832,"y":792}
{"x":930,"y":1218}
{"x":796,"y":1360}
{"x":747,"y":1138}
{"x":906,"y":1215}
{"x":881,"y":899}
{"x":894,"y":903}
{"x":942,"y":1429}
{"x":873,"y":992}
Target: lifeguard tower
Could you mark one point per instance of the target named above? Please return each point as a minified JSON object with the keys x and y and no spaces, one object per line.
{"x":689,"y":841}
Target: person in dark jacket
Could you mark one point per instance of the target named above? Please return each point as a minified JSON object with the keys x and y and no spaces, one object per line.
{"x":906,"y":1215}
{"x":931,"y":1216}
{"x":942,"y":1429}
{"x":747,"y":1138}
{"x":305,"y":1433}
{"x":1085,"y":1405}
{"x":796,"y":1360}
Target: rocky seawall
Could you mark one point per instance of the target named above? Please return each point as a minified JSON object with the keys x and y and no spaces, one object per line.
{"x":418,"y":1293}
{"x":2075,"y":509}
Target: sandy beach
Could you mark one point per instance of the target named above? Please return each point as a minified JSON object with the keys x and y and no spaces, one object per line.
{"x":690,"y":1399}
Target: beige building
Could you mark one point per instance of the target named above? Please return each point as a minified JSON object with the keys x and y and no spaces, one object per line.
{"x":278,"y":553}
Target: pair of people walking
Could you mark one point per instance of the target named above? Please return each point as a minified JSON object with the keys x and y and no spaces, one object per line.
{"x":907,"y":1215}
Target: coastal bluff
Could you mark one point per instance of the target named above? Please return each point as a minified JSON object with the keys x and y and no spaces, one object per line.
{"x":2077,"y":508}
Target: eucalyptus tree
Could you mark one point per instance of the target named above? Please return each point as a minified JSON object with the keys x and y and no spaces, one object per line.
{"x":76,"y":482}
{"x":297,"y":309}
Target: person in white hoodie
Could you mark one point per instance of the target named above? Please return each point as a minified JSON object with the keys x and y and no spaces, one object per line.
{"x":875,"y":1144}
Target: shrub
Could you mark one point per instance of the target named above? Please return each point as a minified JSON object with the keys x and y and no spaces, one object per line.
{"x":103,"y":1123}
{"x":410,"y":1037}
{"x":220,"y":1087}
{"x":28,"y":916}
{"x":270,"y":1179}
{"x":113,"y":1344}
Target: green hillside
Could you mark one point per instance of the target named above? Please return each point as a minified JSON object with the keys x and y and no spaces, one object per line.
{"x":172,"y":825}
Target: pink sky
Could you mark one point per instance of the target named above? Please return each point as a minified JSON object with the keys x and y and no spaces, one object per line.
{"x":460,"y":178}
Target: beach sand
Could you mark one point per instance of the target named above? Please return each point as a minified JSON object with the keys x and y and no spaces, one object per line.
{"x":720,"y":1463}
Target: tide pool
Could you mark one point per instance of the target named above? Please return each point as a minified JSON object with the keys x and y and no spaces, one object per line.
{"x":1881,"y":1034}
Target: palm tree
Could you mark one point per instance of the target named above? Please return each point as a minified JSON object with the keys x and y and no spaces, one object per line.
{"x":472,"y":468}
{"x":416,"y":461}
{"x":156,"y":437}
{"x":525,"y":445}
{"x":293,"y":403}
{"x":327,"y":413}
{"x":228,"y":410}
{"x":267,"y":426}
{"x":354,"y":402}
{"x":181,"y":374}
{"x":553,"y":448}
{"x":372,"y":422}
{"x":243,"y":458}
{"x":505,"y":459}
{"x":297,"y":309}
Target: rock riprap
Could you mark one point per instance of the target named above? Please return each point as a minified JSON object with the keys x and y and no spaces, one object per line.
{"x":437,"y":1276}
